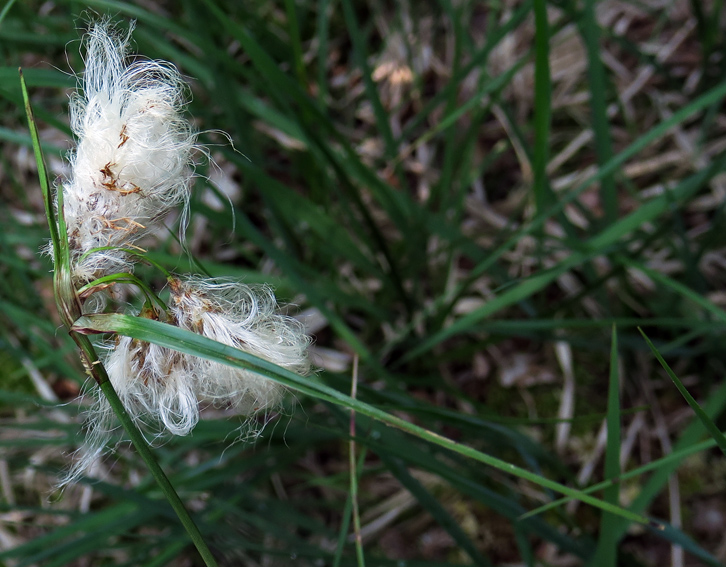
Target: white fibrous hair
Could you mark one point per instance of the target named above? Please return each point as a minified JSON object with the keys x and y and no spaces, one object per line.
{"x":133,"y":159}
{"x":246,"y":318}
{"x":162,"y":389}
{"x":155,"y":386}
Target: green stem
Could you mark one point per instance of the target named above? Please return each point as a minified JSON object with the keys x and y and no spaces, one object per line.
{"x":120,"y":278}
{"x":99,"y":374}
{"x":543,"y":107}
{"x":354,"y":473}
{"x":129,"y":251}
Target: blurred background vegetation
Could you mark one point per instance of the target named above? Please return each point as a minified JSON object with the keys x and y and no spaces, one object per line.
{"x":465,"y":197}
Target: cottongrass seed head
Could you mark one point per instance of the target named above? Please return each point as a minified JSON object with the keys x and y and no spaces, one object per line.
{"x":133,"y":159}
{"x":246,"y":318}
{"x":162,"y":389}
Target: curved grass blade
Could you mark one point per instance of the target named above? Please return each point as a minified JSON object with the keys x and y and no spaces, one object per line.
{"x":69,"y":308}
{"x":156,"y":471}
{"x":40,"y":162}
{"x":190,"y":343}
{"x":590,"y":31}
{"x":678,"y":287}
{"x":433,"y":507}
{"x":687,"y":445}
{"x":707,"y":422}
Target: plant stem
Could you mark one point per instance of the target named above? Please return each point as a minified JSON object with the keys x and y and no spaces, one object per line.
{"x":99,"y":374}
{"x":354,"y":473}
{"x":156,"y":471}
{"x":120,"y":278}
{"x":69,"y":308}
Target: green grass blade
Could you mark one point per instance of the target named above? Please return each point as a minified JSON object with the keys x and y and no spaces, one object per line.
{"x":671,"y":460}
{"x":86,"y":523}
{"x":322,"y":33}
{"x":707,"y":422}
{"x":478,"y":61}
{"x":138,"y":13}
{"x":442,"y":194}
{"x":465,"y":478}
{"x":162,"y":480}
{"x":343,"y":532}
{"x":66,"y":300}
{"x":606,"y":553}
{"x":713,"y":407}
{"x":450,"y":118}
{"x":293,"y":30}
{"x":677,"y":537}
{"x":166,"y":555}
{"x":356,"y":466}
{"x":434,"y":507}
{"x":247,"y":229}
{"x":361,"y":60}
{"x":197,"y":345}
{"x":678,"y":287}
{"x":42,"y":172}
{"x":6,"y":9}
{"x":597,"y":244}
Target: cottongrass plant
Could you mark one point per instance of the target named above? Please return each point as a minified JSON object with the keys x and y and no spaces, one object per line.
{"x":162,"y":389}
{"x":431,"y":455}
{"x":133,"y":162}
{"x":246,"y":318}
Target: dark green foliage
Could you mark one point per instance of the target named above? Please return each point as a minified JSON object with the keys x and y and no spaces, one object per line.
{"x":426,"y":232}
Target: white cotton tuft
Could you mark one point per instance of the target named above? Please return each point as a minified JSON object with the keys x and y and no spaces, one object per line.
{"x":162,"y":389}
{"x":246,"y":318}
{"x":155,"y":386}
{"x":133,"y":160}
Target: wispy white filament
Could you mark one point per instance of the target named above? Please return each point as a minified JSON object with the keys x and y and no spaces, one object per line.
{"x":162,"y":389}
{"x":134,"y":153}
{"x":133,"y":161}
{"x":246,"y":318}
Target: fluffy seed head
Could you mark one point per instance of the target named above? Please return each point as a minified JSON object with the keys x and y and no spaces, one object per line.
{"x":156,"y":386}
{"x":133,"y":160}
{"x":162,"y":389}
{"x":246,"y":318}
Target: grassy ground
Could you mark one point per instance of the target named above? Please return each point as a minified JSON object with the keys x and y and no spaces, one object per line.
{"x":477,"y":202}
